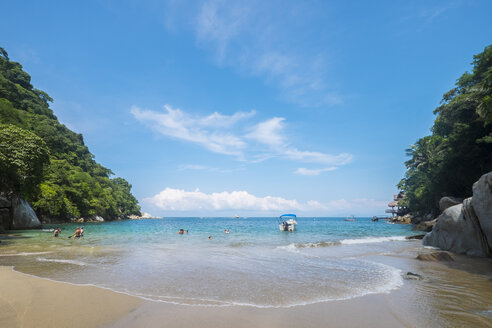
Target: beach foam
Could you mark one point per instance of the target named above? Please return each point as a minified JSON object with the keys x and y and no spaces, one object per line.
{"x":42,"y":259}
{"x":369,"y":240}
{"x":24,"y":253}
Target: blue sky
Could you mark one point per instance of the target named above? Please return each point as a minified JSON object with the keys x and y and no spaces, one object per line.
{"x":249,"y":107}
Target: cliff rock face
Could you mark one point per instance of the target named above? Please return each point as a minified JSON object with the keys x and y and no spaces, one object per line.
{"x":5,"y":205}
{"x":446,"y":202}
{"x":23,"y":216}
{"x":482,"y":204}
{"x":466,"y":228}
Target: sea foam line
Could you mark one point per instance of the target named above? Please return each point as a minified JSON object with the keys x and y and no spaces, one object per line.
{"x":42,"y":259}
{"x":369,"y":240}
{"x":25,"y":253}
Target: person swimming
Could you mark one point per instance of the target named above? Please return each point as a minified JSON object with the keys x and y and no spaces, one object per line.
{"x":181,"y":231}
{"x":78,"y":233}
{"x":226,"y":231}
{"x":56,"y":232}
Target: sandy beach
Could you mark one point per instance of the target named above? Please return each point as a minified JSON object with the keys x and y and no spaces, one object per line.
{"x":453,"y":294}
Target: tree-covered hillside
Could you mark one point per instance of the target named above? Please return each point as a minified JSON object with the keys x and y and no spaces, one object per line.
{"x":64,"y":181}
{"x":459,"y":150}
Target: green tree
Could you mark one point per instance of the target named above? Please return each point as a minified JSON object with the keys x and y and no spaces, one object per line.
{"x":459,"y":151}
{"x":23,"y":156}
{"x":73,"y":183}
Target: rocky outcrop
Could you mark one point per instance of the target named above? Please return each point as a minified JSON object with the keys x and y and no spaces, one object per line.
{"x":457,"y":230}
{"x":447,"y":202}
{"x":482,"y":205}
{"x":5,"y":205}
{"x":23,"y":216}
{"x":405,"y":219}
{"x":425,"y":226}
{"x":466,"y":228}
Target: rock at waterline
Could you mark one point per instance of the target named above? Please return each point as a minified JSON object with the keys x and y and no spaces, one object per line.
{"x":425,"y":226}
{"x":482,"y":204}
{"x":457,"y":230}
{"x":412,"y":276}
{"x":23,"y":216}
{"x":415,"y":237}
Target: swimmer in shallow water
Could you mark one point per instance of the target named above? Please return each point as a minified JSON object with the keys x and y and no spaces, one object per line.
{"x":56,"y":232}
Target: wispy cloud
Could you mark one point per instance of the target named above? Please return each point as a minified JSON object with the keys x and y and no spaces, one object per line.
{"x":255,"y":38}
{"x":218,"y":133}
{"x":305,"y":171}
{"x":197,"y":167}
{"x":179,"y":200}
{"x":177,"y":124}
{"x":271,"y":133}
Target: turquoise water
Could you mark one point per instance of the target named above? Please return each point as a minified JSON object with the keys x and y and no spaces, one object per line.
{"x":255,"y":264}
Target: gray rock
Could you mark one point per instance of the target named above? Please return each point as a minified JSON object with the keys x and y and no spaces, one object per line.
{"x":415,"y":237}
{"x":413,"y":276}
{"x":5,"y":218}
{"x":23,"y":216}
{"x":4,"y":202}
{"x":425,"y":226}
{"x":458,"y":230}
{"x":482,"y":204}
{"x":447,"y":202}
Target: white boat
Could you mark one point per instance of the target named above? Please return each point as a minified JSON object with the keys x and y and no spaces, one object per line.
{"x":236,"y":216}
{"x":352,"y":218}
{"x":287,"y":222}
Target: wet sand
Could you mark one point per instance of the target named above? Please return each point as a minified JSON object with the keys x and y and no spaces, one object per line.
{"x":451,"y":294}
{"x":28,"y":301}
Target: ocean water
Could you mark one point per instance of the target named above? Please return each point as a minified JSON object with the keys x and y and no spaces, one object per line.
{"x":255,"y":264}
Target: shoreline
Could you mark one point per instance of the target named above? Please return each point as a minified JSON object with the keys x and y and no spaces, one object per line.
{"x":30,"y":301}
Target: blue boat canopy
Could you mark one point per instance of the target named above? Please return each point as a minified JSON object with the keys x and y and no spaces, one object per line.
{"x":288,"y":215}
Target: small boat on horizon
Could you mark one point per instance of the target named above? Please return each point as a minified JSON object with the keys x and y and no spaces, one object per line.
{"x":352,"y":218}
{"x":236,"y":216}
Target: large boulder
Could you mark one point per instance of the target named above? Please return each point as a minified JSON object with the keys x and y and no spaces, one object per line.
{"x":23,"y":216}
{"x":482,"y":204}
{"x":4,"y":218}
{"x":446,"y":202}
{"x":4,"y":202}
{"x":458,"y":230}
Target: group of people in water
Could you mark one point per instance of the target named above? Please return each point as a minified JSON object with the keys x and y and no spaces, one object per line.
{"x":182,"y":231}
{"x":79,"y":232}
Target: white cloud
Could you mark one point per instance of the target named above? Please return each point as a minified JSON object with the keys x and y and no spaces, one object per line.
{"x":304,"y":171}
{"x":269,"y":132}
{"x":218,"y":133}
{"x":177,"y":124}
{"x":178,"y":200}
{"x":198,"y":167}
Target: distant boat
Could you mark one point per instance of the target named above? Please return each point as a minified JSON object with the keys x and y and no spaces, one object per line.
{"x":352,"y":218}
{"x":287,"y":222}
{"x":236,"y":216}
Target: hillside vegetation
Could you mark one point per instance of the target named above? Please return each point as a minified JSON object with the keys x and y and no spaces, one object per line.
{"x":48,"y":164}
{"x":459,"y":150}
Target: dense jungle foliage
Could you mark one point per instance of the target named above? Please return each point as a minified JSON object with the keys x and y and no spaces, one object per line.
{"x":48,"y":164}
{"x":459,"y":150}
